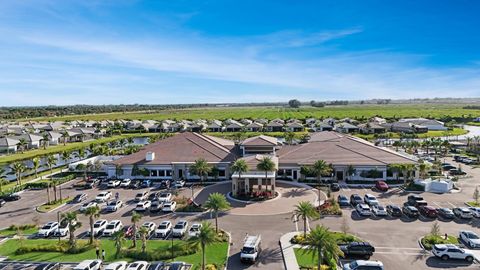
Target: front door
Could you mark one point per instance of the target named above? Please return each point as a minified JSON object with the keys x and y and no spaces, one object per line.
{"x":180,"y":173}
{"x":295,"y":175}
{"x":339,"y":175}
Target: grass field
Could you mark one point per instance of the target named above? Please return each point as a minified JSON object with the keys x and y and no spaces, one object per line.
{"x":8,"y":232}
{"x":352,"y":111}
{"x":49,"y":207}
{"x":216,"y":253}
{"x":429,"y":134}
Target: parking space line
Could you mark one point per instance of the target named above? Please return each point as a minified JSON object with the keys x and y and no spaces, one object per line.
{"x":451,"y":204}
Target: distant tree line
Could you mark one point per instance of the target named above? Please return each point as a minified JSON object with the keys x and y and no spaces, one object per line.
{"x":472,"y":107}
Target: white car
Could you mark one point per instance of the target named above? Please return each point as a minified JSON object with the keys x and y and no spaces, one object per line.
{"x":143,"y":206}
{"x":121,"y":265}
{"x":112,"y":227}
{"x":85,"y":206}
{"x":103,"y":196}
{"x":470,"y":238}
{"x":165,"y":197}
{"x":169,"y":206}
{"x":370,"y":199}
{"x":450,"y":251}
{"x":138,"y":265}
{"x":463,"y":212}
{"x":98,"y":227}
{"x":113,"y":206}
{"x":180,"y":228}
{"x":475,"y":211}
{"x":361,"y":264}
{"x":163,"y":229}
{"x":379,"y":210}
{"x":141,"y":196}
{"x":150,"y":227}
{"x":89,"y":265}
{"x":48,"y":229}
{"x":125,"y":183}
{"x":194,"y":230}
{"x":179,"y":183}
{"x":363,"y":209}
{"x":62,"y":230}
{"x":113,"y":183}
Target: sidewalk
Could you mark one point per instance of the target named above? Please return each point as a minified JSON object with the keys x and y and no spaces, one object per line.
{"x":289,"y":259}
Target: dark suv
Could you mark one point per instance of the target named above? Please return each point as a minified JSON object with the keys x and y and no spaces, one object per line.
{"x":355,"y":199}
{"x":414,"y":199}
{"x":410,"y":211}
{"x":363,"y":249}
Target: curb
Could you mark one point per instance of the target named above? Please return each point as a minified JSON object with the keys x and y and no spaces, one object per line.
{"x":286,"y":245}
{"x":228,"y":248}
{"x":51,"y":210}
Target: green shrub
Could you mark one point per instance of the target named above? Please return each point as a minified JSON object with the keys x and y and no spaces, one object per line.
{"x":23,"y":227}
{"x":159,"y":255}
{"x":429,"y":240}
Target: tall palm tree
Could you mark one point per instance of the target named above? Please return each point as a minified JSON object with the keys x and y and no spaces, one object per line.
{"x":18,"y":168}
{"x":92,"y":213}
{"x":205,"y":237}
{"x":3,"y":181}
{"x":319,"y":168}
{"x":51,"y":161}
{"x":119,"y":240}
{"x":66,"y":156}
{"x":423,"y":169}
{"x":22,"y":144}
{"x":321,"y":243}
{"x":136,"y":217}
{"x":80,"y":154}
{"x":73,"y":225}
{"x":305,"y":210}
{"x":266,"y":165}
{"x":45,"y":140}
{"x":200,"y":168}
{"x":216,"y":202}
{"x":289,"y":137}
{"x":36,"y":165}
{"x":64,"y":137}
{"x":239,"y":166}
{"x":143,"y":232}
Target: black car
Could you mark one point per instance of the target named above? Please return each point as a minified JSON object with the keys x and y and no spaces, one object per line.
{"x":413,"y":199}
{"x":363,"y":249}
{"x":153,"y":196}
{"x":334,"y":187}
{"x":410,"y":211}
{"x":157,"y":266}
{"x":89,"y":185}
{"x":79,"y":198}
{"x":165,"y":184}
{"x":394,"y":210}
{"x":156,"y":206}
{"x":446,"y":213}
{"x":355,"y":199}
{"x":134,"y":185}
{"x":12,"y":197}
{"x":48,"y":266}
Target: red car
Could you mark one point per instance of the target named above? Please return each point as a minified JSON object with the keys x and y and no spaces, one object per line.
{"x":428,"y":211}
{"x":381,"y":185}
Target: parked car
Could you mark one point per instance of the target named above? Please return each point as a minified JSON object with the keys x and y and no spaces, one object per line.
{"x":134,"y":184}
{"x":163,"y":229}
{"x":156,"y":206}
{"x":169,"y":206}
{"x":462,"y":212}
{"x":153,"y":196}
{"x":194,"y":229}
{"x":414,"y":199}
{"x":363,"y":265}
{"x":112,"y":227}
{"x":448,"y":167}
{"x":179,"y":266}
{"x":48,"y":266}
{"x":449,"y":251}
{"x":470,"y":238}
{"x":63,"y":229}
{"x":48,"y":229}
{"x":180,"y":228}
{"x":158,"y":266}
{"x":381,"y":185}
{"x":428,"y":211}
{"x":165,"y":197}
{"x":343,"y":201}
{"x":475,"y":211}
{"x":150,"y":226}
{"x":98,"y":227}
{"x":363,"y":209}
{"x":80,"y":198}
{"x":379,"y":210}
{"x":446,"y":213}
{"x":138,"y":265}
{"x":334,"y":187}
{"x":410,"y":211}
{"x":143,"y":206}
{"x":2,"y":202}
{"x":89,"y":265}
{"x":165,"y":184}
{"x":146,"y":183}
{"x":363,"y":249}
{"x":143,"y":195}
{"x":113,"y":183}
{"x":103,"y":196}
{"x":179,"y":183}
{"x":85,"y":206}
{"x":394,"y":210}
{"x":456,"y":172}
{"x":12,"y":197}
{"x":355,"y":199}
{"x":113,"y":206}
{"x":370,"y":199}
{"x":125,"y":183}
{"x":120,"y":265}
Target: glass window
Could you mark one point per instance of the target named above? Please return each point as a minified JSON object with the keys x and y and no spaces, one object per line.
{"x":221,"y":173}
{"x":168,"y":172}
{"x":161,"y":173}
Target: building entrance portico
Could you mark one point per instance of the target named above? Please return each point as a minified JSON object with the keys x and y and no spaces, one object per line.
{"x":254,"y":183}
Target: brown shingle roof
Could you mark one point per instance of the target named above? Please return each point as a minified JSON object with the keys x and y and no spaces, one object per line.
{"x":261,"y":140}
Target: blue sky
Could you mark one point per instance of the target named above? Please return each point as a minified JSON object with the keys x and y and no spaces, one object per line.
{"x":174,"y":51}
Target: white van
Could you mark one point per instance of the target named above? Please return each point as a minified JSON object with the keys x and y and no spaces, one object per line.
{"x":251,"y":248}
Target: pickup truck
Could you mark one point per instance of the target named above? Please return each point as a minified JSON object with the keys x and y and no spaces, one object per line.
{"x":363,"y":249}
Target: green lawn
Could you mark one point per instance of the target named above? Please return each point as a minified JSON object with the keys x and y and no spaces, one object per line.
{"x":216,"y":253}
{"x":48,"y":207}
{"x":9,"y":232}
{"x":429,"y":134}
{"x":428,"y":241}
{"x":305,"y":259}
{"x":13,"y":185}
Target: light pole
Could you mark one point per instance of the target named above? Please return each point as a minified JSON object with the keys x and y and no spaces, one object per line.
{"x":58,"y":227}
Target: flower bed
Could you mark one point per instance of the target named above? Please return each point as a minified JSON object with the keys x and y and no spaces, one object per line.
{"x":429,"y":240}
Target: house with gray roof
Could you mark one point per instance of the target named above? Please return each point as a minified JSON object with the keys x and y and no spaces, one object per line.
{"x":345,"y":127}
{"x":8,"y":145}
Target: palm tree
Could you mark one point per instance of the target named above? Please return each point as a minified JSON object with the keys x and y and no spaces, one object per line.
{"x":73,"y":225}
{"x":305,"y":210}
{"x":93,"y":213}
{"x":136,"y":217}
{"x":22,"y":144}
{"x":289,"y":137}
{"x":18,"y":168}
{"x":45,"y":140}
{"x":321,"y":243}
{"x":200,"y":168}
{"x":36,"y":165}
{"x":423,"y":169}
{"x":80,"y":153}
{"x":143,"y":232}
{"x":66,"y":156}
{"x":205,"y":237}
{"x":266,"y":164}
{"x":351,"y":170}
{"x":3,"y":181}
{"x":64,"y":137}
{"x":216,"y":202}
{"x":51,"y":162}
{"x":319,"y":168}
{"x":239,"y":166}
{"x":119,"y":239}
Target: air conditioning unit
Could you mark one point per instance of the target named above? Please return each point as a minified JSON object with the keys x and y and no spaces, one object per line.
{"x":150,"y":156}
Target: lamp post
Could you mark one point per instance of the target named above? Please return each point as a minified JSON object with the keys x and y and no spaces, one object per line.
{"x":58,"y":227}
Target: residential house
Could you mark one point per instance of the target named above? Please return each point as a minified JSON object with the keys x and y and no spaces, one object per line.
{"x":294,"y":127}
{"x":405,"y":127}
{"x":254,"y":127}
{"x":345,"y":127}
{"x":8,"y":145}
{"x":33,"y":141}
{"x":215,"y":126}
{"x":430,"y":124}
{"x":371,"y":128}
{"x":274,"y":126}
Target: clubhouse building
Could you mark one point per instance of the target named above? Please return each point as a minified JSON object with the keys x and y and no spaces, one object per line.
{"x":352,"y":159}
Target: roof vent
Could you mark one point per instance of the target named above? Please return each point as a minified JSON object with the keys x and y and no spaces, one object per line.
{"x":150,"y":156}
